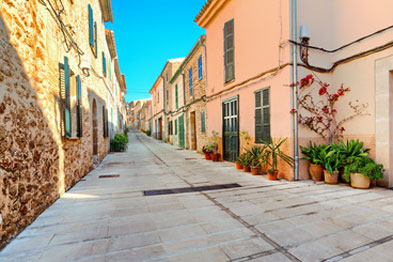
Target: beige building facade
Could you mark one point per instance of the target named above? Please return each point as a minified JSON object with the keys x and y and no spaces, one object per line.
{"x":56,"y":92}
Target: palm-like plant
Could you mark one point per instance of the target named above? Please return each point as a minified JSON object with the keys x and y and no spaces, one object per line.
{"x":275,"y":153}
{"x":257,"y":155}
{"x":313,"y":152}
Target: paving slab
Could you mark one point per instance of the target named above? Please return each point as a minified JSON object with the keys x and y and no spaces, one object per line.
{"x":110,"y":219}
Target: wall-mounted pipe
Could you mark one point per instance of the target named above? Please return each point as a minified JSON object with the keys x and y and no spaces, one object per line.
{"x":295,"y":90}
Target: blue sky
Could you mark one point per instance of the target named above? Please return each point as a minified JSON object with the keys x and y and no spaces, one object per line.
{"x":148,"y":33}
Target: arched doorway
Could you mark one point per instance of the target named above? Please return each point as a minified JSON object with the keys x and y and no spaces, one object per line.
{"x":95,"y":131}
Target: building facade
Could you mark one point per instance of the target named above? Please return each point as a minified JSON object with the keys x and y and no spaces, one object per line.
{"x":55,"y":93}
{"x":250,"y":74}
{"x":194,"y":71}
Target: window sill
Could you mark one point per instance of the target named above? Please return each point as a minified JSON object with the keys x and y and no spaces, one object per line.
{"x":229,"y":82}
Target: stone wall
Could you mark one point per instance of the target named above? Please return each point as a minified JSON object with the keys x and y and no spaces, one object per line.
{"x":36,"y":163}
{"x":194,"y":101}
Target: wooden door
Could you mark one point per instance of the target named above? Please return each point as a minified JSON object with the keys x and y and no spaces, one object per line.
{"x":230,"y":129}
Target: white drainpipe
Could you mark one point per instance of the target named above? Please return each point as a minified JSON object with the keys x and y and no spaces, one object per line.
{"x":295,"y":89}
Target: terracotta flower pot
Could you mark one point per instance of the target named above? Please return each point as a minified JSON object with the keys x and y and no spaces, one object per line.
{"x":211,"y":156}
{"x":207,"y":156}
{"x":216,"y":157}
{"x":238,"y":166}
{"x":246,"y":169}
{"x":359,"y":180}
{"x":331,"y":178}
{"x":316,"y":172}
{"x":254,"y":170}
{"x":272,"y":175}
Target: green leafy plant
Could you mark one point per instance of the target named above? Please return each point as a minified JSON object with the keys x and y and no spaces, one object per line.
{"x":119,"y":143}
{"x":331,"y":158}
{"x":242,"y":159}
{"x":126,"y":131}
{"x":214,"y":141}
{"x":365,"y":166}
{"x":313,"y":153}
{"x":275,"y":153}
{"x":351,"y":150}
{"x":258,"y":155}
{"x":207,"y":149}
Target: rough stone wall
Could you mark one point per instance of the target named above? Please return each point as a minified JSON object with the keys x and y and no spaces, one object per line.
{"x":194,"y":101}
{"x":36,"y":164}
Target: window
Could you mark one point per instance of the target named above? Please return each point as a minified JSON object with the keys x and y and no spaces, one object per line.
{"x":167,"y":97}
{"x":92,"y":30}
{"x":177,"y":97}
{"x":175,"y":126}
{"x":200,"y":68}
{"x":167,"y":77}
{"x":70,"y":102}
{"x":262,"y":115}
{"x":190,"y":80}
{"x":203,"y":123}
{"x":103,"y":64}
{"x":229,"y":51}
{"x":105,"y":121}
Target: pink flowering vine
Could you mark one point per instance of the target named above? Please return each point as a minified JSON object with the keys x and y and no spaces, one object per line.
{"x":320,"y":116}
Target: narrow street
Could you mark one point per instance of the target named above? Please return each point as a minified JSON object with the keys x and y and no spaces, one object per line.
{"x":106,"y":216}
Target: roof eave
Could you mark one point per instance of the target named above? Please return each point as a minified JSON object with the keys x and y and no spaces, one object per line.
{"x":107,"y":12}
{"x":110,"y":39}
{"x":208,"y":11}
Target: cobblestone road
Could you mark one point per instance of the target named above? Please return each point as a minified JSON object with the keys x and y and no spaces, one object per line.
{"x":109,"y":218}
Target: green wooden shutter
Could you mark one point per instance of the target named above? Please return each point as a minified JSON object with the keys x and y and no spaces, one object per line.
{"x":175,"y":126}
{"x":266,"y":114}
{"x":177,"y":98}
{"x":103,"y":121}
{"x":79,"y":106}
{"x":95,"y":39}
{"x":91,"y":26}
{"x":107,"y":122}
{"x":262,"y":115}
{"x":229,"y":51}
{"x":103,"y":63}
{"x":203,"y":124}
{"x":67,"y":87}
{"x":200,"y":67}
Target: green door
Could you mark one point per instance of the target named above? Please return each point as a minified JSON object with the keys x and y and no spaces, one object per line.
{"x":230,"y":129}
{"x":181,"y":131}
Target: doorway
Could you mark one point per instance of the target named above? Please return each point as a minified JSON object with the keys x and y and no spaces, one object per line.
{"x":193,"y":131}
{"x":160,"y":128}
{"x":230,"y":129}
{"x":95,"y":130}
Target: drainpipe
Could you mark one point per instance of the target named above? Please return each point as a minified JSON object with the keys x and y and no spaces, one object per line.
{"x":295,"y":90}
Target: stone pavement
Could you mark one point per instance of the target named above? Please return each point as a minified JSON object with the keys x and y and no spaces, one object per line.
{"x":109,"y":219}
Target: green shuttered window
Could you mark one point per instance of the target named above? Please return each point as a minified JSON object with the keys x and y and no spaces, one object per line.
{"x":262,"y":115}
{"x":67,"y":87}
{"x":91,"y":26}
{"x":177,"y":97}
{"x":105,"y":121}
{"x":103,"y":63}
{"x":175,"y":126}
{"x":203,"y":122}
{"x":79,"y":107}
{"x":95,"y":39}
{"x":229,"y":51}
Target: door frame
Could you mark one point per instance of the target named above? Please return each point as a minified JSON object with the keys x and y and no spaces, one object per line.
{"x":230,"y":99}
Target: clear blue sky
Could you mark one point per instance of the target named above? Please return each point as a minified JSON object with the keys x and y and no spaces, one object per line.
{"x":148,"y":33}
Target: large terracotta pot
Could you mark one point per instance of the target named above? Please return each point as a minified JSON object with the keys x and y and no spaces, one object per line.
{"x":246,"y":169}
{"x":238,"y":166}
{"x":254,"y":170}
{"x":316,"y":172}
{"x":272,"y":175}
{"x":359,"y":180}
{"x":207,"y":156}
{"x":331,"y":178}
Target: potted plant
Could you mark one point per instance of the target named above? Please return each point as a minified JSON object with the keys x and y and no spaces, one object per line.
{"x":247,"y":163}
{"x":331,"y":161}
{"x":240,"y":161}
{"x":350,"y":151}
{"x":256,"y":154}
{"x":216,"y":156}
{"x":312,"y":153}
{"x":207,"y":150}
{"x":275,"y":153}
{"x":361,"y":170}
